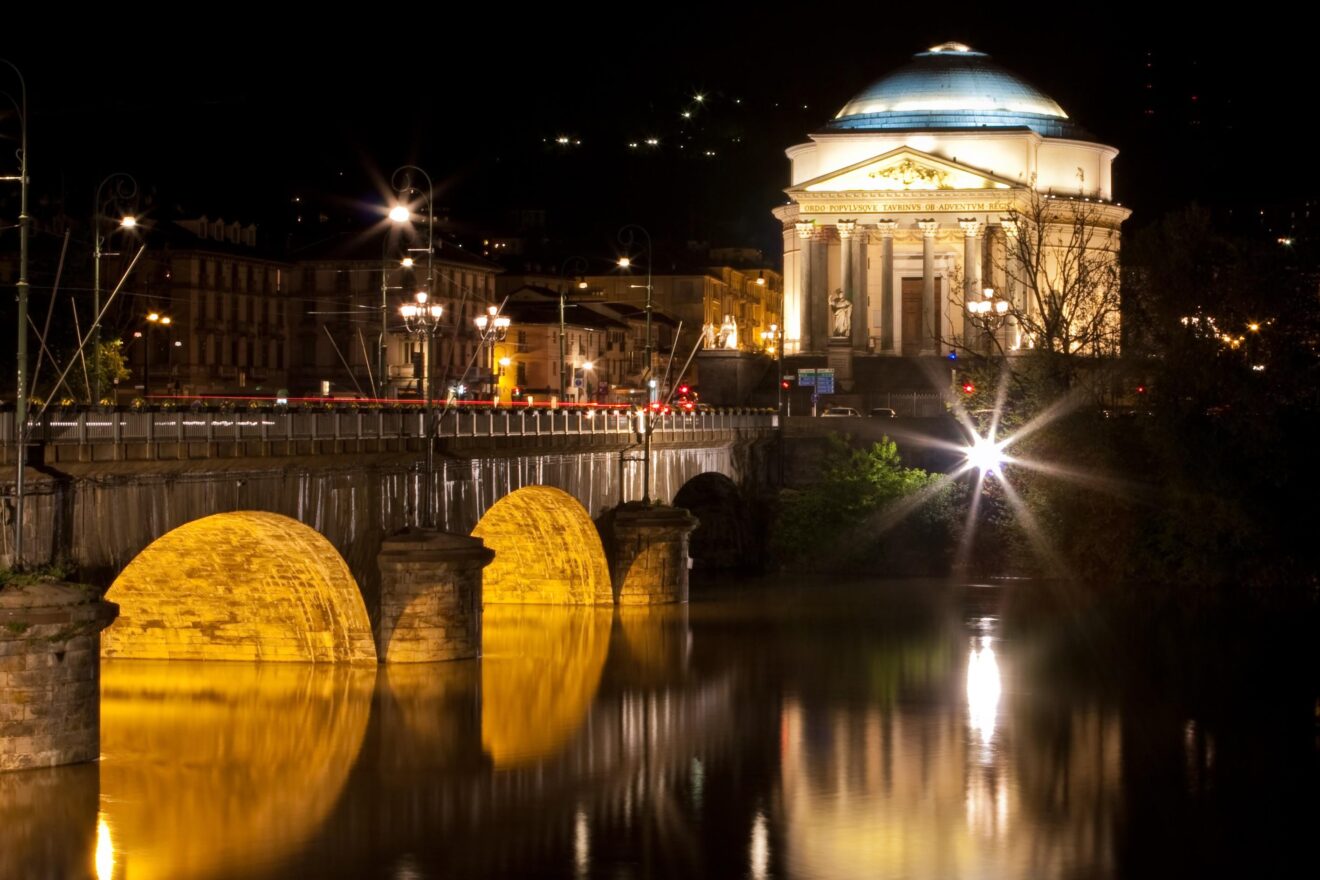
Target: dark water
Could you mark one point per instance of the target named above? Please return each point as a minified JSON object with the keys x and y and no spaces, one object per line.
{"x":778,"y":730}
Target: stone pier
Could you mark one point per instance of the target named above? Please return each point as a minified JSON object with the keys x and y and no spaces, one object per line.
{"x":50,"y":671}
{"x":430,"y":597}
{"x":649,"y":553}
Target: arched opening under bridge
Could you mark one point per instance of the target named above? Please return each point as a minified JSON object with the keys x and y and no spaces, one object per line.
{"x":547,"y":551}
{"x":244,"y":585}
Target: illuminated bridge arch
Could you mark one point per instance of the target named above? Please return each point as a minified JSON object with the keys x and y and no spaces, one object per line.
{"x":547,"y":551}
{"x":246,"y":585}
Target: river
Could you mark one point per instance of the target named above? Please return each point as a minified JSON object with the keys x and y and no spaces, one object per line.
{"x":780,"y":728}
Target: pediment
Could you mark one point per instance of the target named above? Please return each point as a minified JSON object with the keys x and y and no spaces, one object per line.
{"x":903,"y":169}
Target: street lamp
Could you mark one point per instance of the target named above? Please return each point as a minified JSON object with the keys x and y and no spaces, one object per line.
{"x":422,"y":318}
{"x":990,"y":309}
{"x":505,"y":362}
{"x":773,"y":340}
{"x":580,"y":264}
{"x":628,"y":238}
{"x":21,"y":400}
{"x":492,"y":327}
{"x":125,"y":189}
{"x":154,"y":319}
{"x":402,"y":183}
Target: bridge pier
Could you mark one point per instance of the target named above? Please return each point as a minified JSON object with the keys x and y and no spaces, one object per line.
{"x":50,"y":670}
{"x":649,"y":553}
{"x":430,"y":597}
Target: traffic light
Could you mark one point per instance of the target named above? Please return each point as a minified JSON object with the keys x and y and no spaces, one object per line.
{"x":684,"y":389}
{"x":785,"y":384}
{"x":1141,"y":389}
{"x":968,"y":387}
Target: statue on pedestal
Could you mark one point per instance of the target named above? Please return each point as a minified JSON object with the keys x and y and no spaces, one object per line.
{"x":841,"y":315}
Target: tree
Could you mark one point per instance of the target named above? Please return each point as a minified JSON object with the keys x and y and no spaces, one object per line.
{"x":1056,"y":269}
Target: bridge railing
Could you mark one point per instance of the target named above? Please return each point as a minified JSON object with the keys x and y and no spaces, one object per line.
{"x":188,"y":427}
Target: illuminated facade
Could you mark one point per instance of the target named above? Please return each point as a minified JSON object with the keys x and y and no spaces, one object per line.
{"x":913,"y":200}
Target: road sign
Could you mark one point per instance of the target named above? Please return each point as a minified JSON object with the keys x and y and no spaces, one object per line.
{"x":821,"y":380}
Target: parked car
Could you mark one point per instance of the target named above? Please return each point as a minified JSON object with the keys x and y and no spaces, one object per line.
{"x":840,"y":412}
{"x":883,"y":412}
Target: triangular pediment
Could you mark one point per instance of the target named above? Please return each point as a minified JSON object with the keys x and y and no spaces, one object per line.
{"x":903,"y":169}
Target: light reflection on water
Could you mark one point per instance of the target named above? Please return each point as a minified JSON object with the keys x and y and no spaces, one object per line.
{"x":773,"y":738}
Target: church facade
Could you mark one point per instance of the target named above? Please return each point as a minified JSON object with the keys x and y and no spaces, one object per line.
{"x":942,"y":209}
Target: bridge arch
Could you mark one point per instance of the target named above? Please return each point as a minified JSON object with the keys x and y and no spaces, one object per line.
{"x":243,"y":585}
{"x":725,"y":539}
{"x":547,"y":551}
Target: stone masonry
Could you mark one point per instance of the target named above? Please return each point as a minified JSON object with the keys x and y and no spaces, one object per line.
{"x":430,"y":597}
{"x":50,"y":663}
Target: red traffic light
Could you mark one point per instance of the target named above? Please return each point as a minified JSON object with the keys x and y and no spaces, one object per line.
{"x":968,"y":388}
{"x":684,"y":389}
{"x":785,"y":384}
{"x":1141,"y":389}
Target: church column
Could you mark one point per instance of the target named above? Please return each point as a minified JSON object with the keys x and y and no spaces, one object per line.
{"x":820,"y":291}
{"x":971,"y":228}
{"x":930,"y":312}
{"x":1011,"y":286}
{"x":886,"y":230}
{"x":861,"y":336}
{"x":804,"y":231}
{"x":846,"y":229}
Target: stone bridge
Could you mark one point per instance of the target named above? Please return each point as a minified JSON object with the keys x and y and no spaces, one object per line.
{"x":260,"y":535}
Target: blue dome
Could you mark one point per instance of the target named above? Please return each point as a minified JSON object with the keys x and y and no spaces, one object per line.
{"x":952,"y":87}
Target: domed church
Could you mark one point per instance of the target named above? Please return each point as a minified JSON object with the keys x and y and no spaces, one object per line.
{"x":903,"y":231}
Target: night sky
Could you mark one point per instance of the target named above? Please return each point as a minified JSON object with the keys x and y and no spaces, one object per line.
{"x":234,"y":116}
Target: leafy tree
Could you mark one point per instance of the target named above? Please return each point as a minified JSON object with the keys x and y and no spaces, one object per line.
{"x":835,"y":518}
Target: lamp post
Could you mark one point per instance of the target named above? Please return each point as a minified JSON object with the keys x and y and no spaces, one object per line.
{"x":154,"y":319}
{"x":492,"y":327}
{"x":402,"y":183}
{"x":990,"y":309}
{"x":628,"y":237}
{"x":773,"y":339}
{"x":580,"y":264}
{"x":21,"y":400}
{"x":422,"y":318}
{"x":505,"y":362}
{"x":125,"y":189}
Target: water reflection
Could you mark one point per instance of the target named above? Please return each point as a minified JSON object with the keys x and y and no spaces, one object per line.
{"x":48,"y":822}
{"x":933,"y":786}
{"x":105,"y":849}
{"x":816,"y":736}
{"x":221,"y":768}
{"x":540,"y":668}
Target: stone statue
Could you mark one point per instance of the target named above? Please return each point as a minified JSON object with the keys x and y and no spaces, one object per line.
{"x":841,"y":312}
{"x":708,"y":335}
{"x":728,"y":338}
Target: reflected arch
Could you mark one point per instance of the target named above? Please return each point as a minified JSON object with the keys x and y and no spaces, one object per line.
{"x":725,"y":540}
{"x":244,"y":585}
{"x":540,"y":671}
{"x":547,"y":551}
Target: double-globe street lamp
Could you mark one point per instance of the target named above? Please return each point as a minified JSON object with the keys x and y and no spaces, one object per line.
{"x":990,"y":310}
{"x":492,"y":327}
{"x":125,"y":190}
{"x":628,"y":238}
{"x":421,"y":317}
